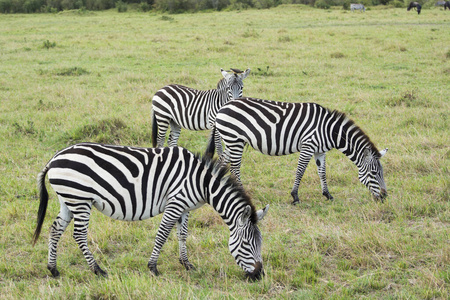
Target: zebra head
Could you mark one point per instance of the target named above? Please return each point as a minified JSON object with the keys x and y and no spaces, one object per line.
{"x":246,"y":241}
{"x":235,"y":81}
{"x":371,"y":173}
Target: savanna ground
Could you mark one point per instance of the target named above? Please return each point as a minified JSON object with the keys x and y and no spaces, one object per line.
{"x":73,"y":77}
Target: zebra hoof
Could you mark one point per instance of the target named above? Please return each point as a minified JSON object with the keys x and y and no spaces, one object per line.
{"x":295,"y":202}
{"x":328,"y":195}
{"x":187,"y":265}
{"x":54,"y":271}
{"x":153,"y":269}
{"x":99,"y":272}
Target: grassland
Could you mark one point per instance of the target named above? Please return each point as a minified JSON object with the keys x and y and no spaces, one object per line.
{"x":72,"y":77}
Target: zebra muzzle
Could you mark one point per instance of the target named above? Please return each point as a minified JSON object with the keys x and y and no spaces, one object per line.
{"x":257,"y":273}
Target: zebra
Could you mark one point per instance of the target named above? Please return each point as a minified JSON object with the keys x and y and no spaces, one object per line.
{"x":354,"y":6}
{"x":279,"y":128}
{"x":184,"y":107}
{"x":132,"y":184}
{"x":447,"y":5}
{"x":415,"y":5}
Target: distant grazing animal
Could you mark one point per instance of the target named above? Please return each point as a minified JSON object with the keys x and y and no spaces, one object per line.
{"x":133,"y":184}
{"x":416,"y":6}
{"x":357,"y":6}
{"x":447,"y":5}
{"x":184,"y":107}
{"x":280,"y":128}
{"x":440,"y":3}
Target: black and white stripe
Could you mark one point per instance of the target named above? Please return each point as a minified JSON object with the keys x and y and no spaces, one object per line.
{"x":132,"y":184}
{"x":179,"y":107}
{"x":278,"y":128}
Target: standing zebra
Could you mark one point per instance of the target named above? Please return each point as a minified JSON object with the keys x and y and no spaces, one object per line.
{"x":184,"y":107}
{"x":278,"y":128}
{"x":359,"y":6}
{"x":132,"y":184}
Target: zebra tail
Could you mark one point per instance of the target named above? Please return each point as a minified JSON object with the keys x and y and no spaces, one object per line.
{"x":211,"y":147}
{"x":154,"y":130}
{"x":43,"y":195}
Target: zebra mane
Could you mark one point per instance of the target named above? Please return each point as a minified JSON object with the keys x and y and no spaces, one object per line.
{"x":360,"y":133}
{"x":222,"y":172}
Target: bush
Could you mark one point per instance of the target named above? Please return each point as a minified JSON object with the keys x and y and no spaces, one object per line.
{"x":398,"y":4}
{"x":121,"y":6}
{"x":322,"y":4}
{"x":5,"y":6}
{"x":144,"y":6}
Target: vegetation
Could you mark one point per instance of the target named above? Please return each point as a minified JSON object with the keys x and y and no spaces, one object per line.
{"x":179,"y":6}
{"x":71,"y":77}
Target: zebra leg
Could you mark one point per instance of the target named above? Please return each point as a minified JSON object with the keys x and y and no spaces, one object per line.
{"x":175,"y":131}
{"x":303,"y":160}
{"x":171,"y":215}
{"x":321,"y":170}
{"x":81,"y":224}
{"x":218,"y":143}
{"x":235,"y":158}
{"x":182,"y":233}
{"x":58,"y":227}
{"x":163,"y":126}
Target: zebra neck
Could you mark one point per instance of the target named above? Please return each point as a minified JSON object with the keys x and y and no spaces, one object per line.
{"x":351,"y":140}
{"x":227,"y":199}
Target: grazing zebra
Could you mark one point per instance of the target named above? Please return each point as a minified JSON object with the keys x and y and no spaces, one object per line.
{"x":131,"y":184}
{"x":354,"y":6}
{"x":278,"y":128}
{"x":415,"y":5}
{"x":184,"y":107}
{"x":447,"y":5}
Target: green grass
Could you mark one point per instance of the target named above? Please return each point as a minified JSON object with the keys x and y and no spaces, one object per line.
{"x":69,"y":77}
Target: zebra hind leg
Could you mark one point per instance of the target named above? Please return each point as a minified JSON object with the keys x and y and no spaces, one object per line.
{"x":175,"y":131}
{"x":57,"y":229}
{"x":163,"y":126}
{"x":321,"y":170}
{"x":81,"y":224}
{"x":182,"y":233}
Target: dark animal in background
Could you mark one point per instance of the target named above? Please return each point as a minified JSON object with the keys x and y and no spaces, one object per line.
{"x":415,"y":5}
{"x":447,"y":5}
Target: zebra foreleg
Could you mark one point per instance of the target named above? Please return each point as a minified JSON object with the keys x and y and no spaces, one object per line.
{"x":58,"y":227}
{"x":171,"y":215}
{"x":182,"y":233}
{"x":321,"y":170}
{"x":81,"y":224}
{"x":303,"y":160}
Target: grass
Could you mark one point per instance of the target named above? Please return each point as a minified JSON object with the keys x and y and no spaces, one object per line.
{"x":72,"y":77}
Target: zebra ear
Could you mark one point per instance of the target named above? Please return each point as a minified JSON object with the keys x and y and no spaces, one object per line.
{"x":245,"y":74}
{"x":383,"y":152}
{"x":225,"y":74}
{"x":246,"y":214}
{"x":262,"y":212}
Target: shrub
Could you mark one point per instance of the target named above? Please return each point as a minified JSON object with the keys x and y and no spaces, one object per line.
{"x":121,"y":6}
{"x":398,"y":4}
{"x":5,"y":6}
{"x":144,"y":6}
{"x":322,"y":4}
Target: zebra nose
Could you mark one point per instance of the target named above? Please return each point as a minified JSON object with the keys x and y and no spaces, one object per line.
{"x":257,"y":273}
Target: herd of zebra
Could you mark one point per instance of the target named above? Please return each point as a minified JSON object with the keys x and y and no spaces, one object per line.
{"x":132,"y":183}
